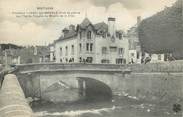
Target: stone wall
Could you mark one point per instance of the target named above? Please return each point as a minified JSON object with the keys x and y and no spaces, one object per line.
{"x":12,"y":99}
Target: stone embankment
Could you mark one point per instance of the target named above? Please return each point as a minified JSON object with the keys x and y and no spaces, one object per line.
{"x":12,"y":99}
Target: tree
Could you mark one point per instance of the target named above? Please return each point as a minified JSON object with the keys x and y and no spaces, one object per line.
{"x":163,"y":32}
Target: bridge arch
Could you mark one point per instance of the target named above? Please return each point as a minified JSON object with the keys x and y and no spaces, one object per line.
{"x":74,"y":89}
{"x":93,"y":90}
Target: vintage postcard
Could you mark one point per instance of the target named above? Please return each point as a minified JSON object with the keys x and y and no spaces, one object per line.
{"x":91,"y":58}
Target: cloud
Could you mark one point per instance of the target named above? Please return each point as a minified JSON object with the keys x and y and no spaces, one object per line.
{"x":28,"y":34}
{"x":130,"y":4}
{"x":28,"y":31}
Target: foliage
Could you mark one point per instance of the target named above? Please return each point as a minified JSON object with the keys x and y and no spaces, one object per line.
{"x":163,"y":32}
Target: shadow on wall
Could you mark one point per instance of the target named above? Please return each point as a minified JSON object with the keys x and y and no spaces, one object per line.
{"x":60,"y":92}
{"x":88,"y":89}
{"x":94,"y":90}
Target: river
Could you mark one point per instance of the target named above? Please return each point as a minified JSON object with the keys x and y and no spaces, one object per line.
{"x":118,"y":107}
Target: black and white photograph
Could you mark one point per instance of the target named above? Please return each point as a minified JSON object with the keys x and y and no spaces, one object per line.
{"x":91,"y":58}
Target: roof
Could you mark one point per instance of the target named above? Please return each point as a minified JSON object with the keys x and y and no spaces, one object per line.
{"x":102,"y":26}
{"x":69,"y":34}
{"x":86,"y":22}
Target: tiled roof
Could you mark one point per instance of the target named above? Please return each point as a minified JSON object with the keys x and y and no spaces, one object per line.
{"x":102,"y":26}
{"x":71,"y":33}
{"x":85,"y":23}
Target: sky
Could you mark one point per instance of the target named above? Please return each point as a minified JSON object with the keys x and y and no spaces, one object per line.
{"x":42,"y":30}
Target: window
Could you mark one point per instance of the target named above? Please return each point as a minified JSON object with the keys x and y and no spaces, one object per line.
{"x":91,"y":47}
{"x":60,"y":51}
{"x":80,"y":48}
{"x":105,"y":61}
{"x":66,"y":51}
{"x":120,"y":51}
{"x":104,"y":50}
{"x":132,"y":54}
{"x":138,"y":55}
{"x":72,"y":50}
{"x":113,"y":49}
{"x":120,"y":61}
{"x":120,"y":36}
{"x":89,"y":35}
{"x":87,"y":46}
{"x":66,"y":60}
{"x":80,"y":35}
{"x":159,"y":56}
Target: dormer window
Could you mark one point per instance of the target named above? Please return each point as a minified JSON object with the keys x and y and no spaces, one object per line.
{"x":89,"y":35}
{"x":65,"y":31}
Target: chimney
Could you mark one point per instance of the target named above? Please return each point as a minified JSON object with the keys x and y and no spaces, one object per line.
{"x":139,"y":19}
{"x":111,"y":27}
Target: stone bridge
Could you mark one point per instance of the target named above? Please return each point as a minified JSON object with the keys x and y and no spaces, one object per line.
{"x":47,"y":80}
{"x":69,"y":82}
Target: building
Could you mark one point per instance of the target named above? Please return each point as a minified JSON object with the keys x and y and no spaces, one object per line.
{"x":34,"y":54}
{"x":24,"y":55}
{"x":52,"y":52}
{"x":135,"y":53}
{"x":92,"y":43}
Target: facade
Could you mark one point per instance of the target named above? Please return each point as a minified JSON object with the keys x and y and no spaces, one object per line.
{"x":156,"y":58}
{"x":24,"y":55}
{"x":135,"y":53}
{"x":52,"y":52}
{"x":34,"y":54}
{"x":92,"y":43}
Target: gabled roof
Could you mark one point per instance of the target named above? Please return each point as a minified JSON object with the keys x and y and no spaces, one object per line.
{"x":86,"y":22}
{"x":102,"y":26}
{"x":99,"y":28}
{"x":71,"y":33}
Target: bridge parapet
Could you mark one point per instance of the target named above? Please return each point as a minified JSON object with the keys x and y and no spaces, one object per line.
{"x":26,"y":68}
{"x":176,"y":66}
{"x":12,"y":99}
